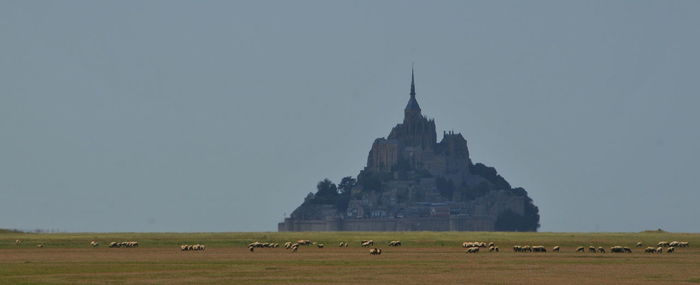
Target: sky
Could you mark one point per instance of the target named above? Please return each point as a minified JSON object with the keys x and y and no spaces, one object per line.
{"x":189,"y":116}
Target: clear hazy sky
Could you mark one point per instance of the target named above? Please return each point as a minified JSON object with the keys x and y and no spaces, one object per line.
{"x":223,"y":115}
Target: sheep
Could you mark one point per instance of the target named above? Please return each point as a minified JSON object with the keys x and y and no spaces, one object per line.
{"x":367,"y":243}
{"x":650,"y":249}
{"x":639,"y":244}
{"x":41,"y":245}
{"x":259,"y":244}
{"x":627,"y":249}
{"x":617,"y":249}
{"x":375,"y":251}
{"x":493,"y":248}
{"x":592,"y":249}
{"x":473,"y":249}
{"x":114,"y":244}
{"x":601,"y":249}
{"x":251,"y":248}
{"x":295,"y":247}
{"x":183,"y":247}
{"x":663,"y":244}
{"x":670,"y":250}
{"x":18,"y":242}
{"x":94,"y":244}
{"x":468,"y":244}
{"x":304,"y":242}
{"x":527,"y":248}
{"x":320,"y":245}
{"x":491,"y":244}
{"x":683,"y":244}
{"x":538,"y":248}
{"x":659,"y":250}
{"x":673,"y":243}
{"x":342,"y":243}
{"x":556,"y":248}
{"x":580,"y":249}
{"x":517,"y":248}
{"x":395,"y":243}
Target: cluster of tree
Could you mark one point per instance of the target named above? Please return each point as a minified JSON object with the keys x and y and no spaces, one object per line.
{"x":327,"y":193}
{"x":513,"y":222}
{"x":509,"y":221}
{"x":490,"y":174}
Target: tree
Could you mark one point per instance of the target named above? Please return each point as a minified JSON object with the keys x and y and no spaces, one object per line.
{"x":345,"y":188}
{"x":327,"y":192}
{"x":346,"y":184}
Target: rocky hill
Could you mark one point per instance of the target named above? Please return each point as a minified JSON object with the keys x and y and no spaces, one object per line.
{"x":413,"y":182}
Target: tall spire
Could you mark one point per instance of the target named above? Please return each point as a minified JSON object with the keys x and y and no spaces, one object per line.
{"x":412,"y":106}
{"x":413,"y":86}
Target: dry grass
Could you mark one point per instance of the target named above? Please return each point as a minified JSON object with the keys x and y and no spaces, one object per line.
{"x":424,"y":261}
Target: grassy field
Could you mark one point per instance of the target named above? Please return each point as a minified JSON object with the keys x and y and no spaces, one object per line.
{"x":424,"y":258}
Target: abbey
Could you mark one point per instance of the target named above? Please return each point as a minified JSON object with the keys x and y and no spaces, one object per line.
{"x":412,"y":182}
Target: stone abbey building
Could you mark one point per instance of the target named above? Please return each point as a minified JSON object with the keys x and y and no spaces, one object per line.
{"x":412,"y":182}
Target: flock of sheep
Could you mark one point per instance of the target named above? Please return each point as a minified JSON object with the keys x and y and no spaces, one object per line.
{"x":294,"y":246}
{"x":670,"y":247}
{"x":475,"y":246}
{"x":115,"y":244}
{"x":191,"y":247}
{"x":470,"y":246}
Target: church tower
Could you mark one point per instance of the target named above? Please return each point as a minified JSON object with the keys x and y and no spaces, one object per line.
{"x":412,"y":111}
{"x":416,"y":130}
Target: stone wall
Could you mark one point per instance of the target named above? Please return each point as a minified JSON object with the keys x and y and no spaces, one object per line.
{"x":452,"y":223}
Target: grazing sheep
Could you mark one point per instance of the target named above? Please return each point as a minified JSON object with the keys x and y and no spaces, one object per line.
{"x":650,"y":250}
{"x":659,"y":250}
{"x":41,"y":245}
{"x":580,"y":249}
{"x":183,"y":247}
{"x":320,"y":245}
{"x":639,"y":244}
{"x":114,"y":244}
{"x":663,"y":244}
{"x":395,"y":243}
{"x":18,"y":242}
{"x":556,"y":249}
{"x":94,"y":244}
{"x":473,"y":249}
{"x":491,"y":244}
{"x":601,"y":249}
{"x":517,"y":248}
{"x":627,"y":249}
{"x":592,"y":249}
{"x":671,"y":250}
{"x":375,"y":251}
{"x":527,"y":248}
{"x":304,"y":242}
{"x":251,"y":248}
{"x":295,"y":247}
{"x":367,"y":243}
{"x":617,"y":249}
{"x":683,"y":244}
{"x":538,"y":248}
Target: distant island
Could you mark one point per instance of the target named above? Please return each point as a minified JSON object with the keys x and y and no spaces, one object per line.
{"x":413,"y":183}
